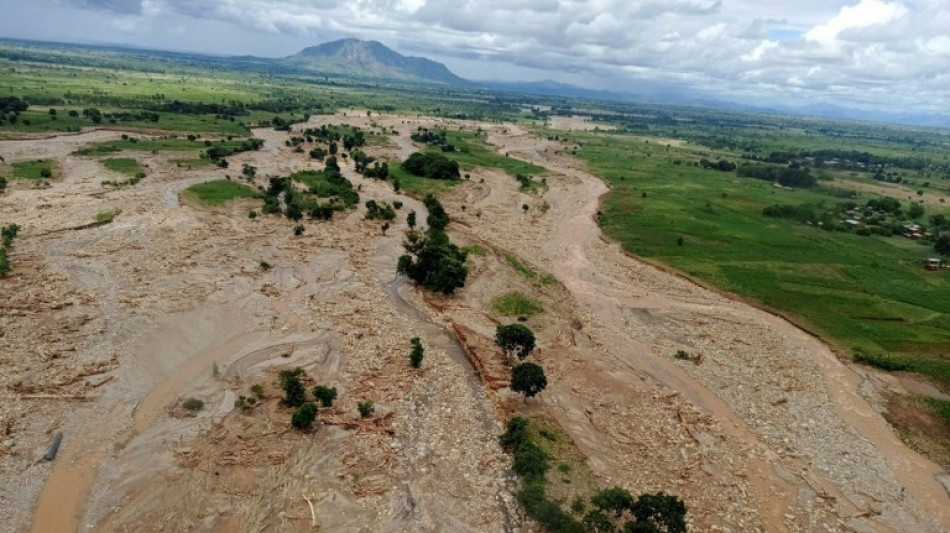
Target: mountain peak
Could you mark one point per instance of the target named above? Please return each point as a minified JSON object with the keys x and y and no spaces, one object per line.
{"x":370,"y":59}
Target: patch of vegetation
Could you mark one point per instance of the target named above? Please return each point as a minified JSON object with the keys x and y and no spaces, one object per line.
{"x":417,"y":353}
{"x":218,"y":192}
{"x":41,"y":169}
{"x":123,"y":165}
{"x":529,"y":273}
{"x":304,"y":416}
{"x":294,"y":393}
{"x":379,"y":211}
{"x":104,"y":217}
{"x":431,"y":165}
{"x":470,"y":150}
{"x":7,"y":233}
{"x":516,"y":304}
{"x":416,"y":186}
{"x":192,"y":404}
{"x":366,"y":409}
{"x":432,"y":260}
{"x":325,"y":395}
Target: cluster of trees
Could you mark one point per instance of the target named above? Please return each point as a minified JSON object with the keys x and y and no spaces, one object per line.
{"x":351,"y":136}
{"x":379,"y":211}
{"x":7,"y":233}
{"x":431,"y":165}
{"x":518,"y":340}
{"x":328,"y":183}
{"x":790,"y":176}
{"x":295,"y":395}
{"x":879,"y":216}
{"x":432,"y":138}
{"x":722,"y":165}
{"x":10,"y":109}
{"x":612,"y":510}
{"x":844,"y":159}
{"x":218,"y":153}
{"x":432,"y":260}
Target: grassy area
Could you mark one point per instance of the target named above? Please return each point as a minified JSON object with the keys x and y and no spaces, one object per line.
{"x":865,"y":292}
{"x":34,"y":170}
{"x":104,"y":217}
{"x":39,"y":120}
{"x":169,"y":144}
{"x":220,"y":191}
{"x":516,"y":304}
{"x":529,"y":273}
{"x":474,"y":151}
{"x":417,"y":186}
{"x":123,"y":165}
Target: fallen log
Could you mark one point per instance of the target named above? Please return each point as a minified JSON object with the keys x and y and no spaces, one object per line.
{"x":54,"y":448}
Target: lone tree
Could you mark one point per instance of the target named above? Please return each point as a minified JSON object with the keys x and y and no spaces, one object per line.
{"x":417,"y":353}
{"x":304,"y":416}
{"x":515,"y":339}
{"x":528,"y":379}
{"x":326,"y":395}
{"x":615,"y":500}
{"x":294,"y":393}
{"x":665,"y":513}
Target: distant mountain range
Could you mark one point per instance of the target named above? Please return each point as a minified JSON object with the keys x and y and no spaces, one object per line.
{"x":370,"y":59}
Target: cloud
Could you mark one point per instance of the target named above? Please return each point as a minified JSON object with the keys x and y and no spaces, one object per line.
{"x":868,"y":52}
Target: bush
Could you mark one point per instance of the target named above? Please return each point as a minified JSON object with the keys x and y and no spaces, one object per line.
{"x":417,"y":353}
{"x":515,"y":339}
{"x":615,"y":500}
{"x":294,"y":393}
{"x":192,"y":404}
{"x":666,"y":513}
{"x":304,"y":416}
{"x":433,"y":261}
{"x":431,"y":165}
{"x":366,"y":409}
{"x":326,"y":395}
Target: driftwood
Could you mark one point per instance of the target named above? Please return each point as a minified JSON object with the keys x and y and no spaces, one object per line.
{"x":66,"y":397}
{"x":313,"y":515}
{"x":54,"y":448}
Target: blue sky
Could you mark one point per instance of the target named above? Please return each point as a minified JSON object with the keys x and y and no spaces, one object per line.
{"x":880,"y":54}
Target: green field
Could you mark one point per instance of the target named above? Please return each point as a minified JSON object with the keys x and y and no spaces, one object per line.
{"x":516,"y":304}
{"x":418,"y":186}
{"x":860,"y":292}
{"x":34,"y":170}
{"x":123,"y":165}
{"x":473,"y":151}
{"x":220,"y":191}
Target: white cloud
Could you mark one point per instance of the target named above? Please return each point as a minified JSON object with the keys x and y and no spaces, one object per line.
{"x":861,"y":15}
{"x":869,"y":52}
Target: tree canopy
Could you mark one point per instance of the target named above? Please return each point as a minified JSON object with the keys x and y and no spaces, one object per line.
{"x":528,"y":379}
{"x":515,"y":339}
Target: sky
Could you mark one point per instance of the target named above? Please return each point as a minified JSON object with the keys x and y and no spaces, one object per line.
{"x":891,"y":55}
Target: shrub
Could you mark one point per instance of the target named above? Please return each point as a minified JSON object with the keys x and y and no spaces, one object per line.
{"x":258,"y":390}
{"x":294,"y":393}
{"x":615,"y":500}
{"x":666,"y":513}
{"x":326,"y":395}
{"x":366,"y":409}
{"x":304,"y":416}
{"x":192,"y":404}
{"x":417,"y":353}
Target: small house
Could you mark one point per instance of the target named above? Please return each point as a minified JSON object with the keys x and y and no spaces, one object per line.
{"x":934,"y":263}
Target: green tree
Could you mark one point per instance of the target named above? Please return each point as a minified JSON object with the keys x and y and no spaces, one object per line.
{"x":433,"y":262}
{"x":417,"y":353}
{"x":326,"y":395}
{"x":366,"y":409}
{"x":4,"y":262}
{"x":304,"y":416}
{"x":915,"y":210}
{"x":666,"y":513}
{"x":528,"y":379}
{"x":942,"y":244}
{"x":615,"y":500}
{"x":597,"y":521}
{"x":515,"y":339}
{"x":294,"y":393}
{"x":410,"y":218}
